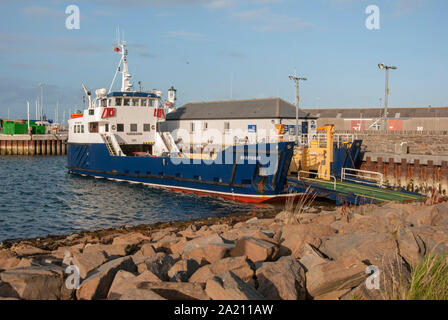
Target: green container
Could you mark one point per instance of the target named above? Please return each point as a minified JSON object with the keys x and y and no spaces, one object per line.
{"x":10,"y":127}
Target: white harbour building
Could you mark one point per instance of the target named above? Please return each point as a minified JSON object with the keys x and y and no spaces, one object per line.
{"x":222,"y":123}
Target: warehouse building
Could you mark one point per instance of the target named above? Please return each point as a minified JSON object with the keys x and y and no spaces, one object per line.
{"x":245,"y":121}
{"x":399,"y":119}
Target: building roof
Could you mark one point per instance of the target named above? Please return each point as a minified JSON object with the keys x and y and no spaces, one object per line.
{"x":237,"y":109}
{"x":373,"y":113}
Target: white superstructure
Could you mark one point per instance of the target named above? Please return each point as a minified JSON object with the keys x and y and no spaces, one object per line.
{"x":126,"y":121}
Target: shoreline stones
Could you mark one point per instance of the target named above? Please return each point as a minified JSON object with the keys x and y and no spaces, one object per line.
{"x":324,"y":255}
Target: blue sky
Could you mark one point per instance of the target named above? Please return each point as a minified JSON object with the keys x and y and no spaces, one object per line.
{"x":222,"y":49}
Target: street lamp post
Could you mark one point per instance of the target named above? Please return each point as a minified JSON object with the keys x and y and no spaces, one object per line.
{"x":297,"y":80}
{"x":386,"y":94}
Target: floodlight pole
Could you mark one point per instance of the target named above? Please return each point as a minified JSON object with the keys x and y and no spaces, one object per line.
{"x":297,"y":80}
{"x":386,"y":94}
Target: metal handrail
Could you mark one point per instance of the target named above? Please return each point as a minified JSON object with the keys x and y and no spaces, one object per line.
{"x":309,"y":172}
{"x":379,"y":181}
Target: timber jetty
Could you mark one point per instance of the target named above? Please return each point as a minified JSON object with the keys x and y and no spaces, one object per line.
{"x":34,"y":144}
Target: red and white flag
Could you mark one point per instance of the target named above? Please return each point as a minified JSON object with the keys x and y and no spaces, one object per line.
{"x":116,"y":49}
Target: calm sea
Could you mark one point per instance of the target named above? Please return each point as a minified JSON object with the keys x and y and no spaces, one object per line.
{"x":38,"y":197}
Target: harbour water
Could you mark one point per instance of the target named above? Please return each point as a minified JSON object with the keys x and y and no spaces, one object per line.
{"x":38,"y":197}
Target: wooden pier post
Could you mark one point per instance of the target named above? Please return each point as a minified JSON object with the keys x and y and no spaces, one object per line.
{"x":404,"y":173}
{"x":38,"y":147}
{"x":64,"y":148}
{"x":31,"y":147}
{"x":2,"y":147}
{"x":431,"y":173}
{"x":20,"y":147}
{"x":53,"y":147}
{"x":444,"y":177}
{"x":391,"y":172}
{"x":14,"y":147}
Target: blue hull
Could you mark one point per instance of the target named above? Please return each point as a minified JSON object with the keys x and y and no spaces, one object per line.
{"x":241,"y":180}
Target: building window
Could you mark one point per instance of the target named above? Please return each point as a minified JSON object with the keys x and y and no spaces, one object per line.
{"x":226,"y":126}
{"x":133,"y":127}
{"x":106,"y":127}
{"x":126,"y":102}
{"x":191,"y":127}
{"x":205,"y":126}
{"x":146,"y":127}
{"x":118,"y":102}
{"x":143,"y":103}
{"x":120,"y":127}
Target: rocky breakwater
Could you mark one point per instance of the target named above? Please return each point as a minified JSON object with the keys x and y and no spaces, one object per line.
{"x":323,"y":255}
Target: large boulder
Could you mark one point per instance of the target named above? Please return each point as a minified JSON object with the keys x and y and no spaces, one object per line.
{"x":97,"y":285}
{"x":202,"y":242}
{"x":295,"y":237}
{"x":257,"y":250}
{"x":176,"y":290}
{"x":311,"y":257}
{"x":392,"y":282}
{"x":209,"y":253}
{"x":34,"y":283}
{"x":429,"y":216}
{"x":283,"y":279}
{"x":182,"y":270}
{"x":125,"y":281}
{"x":27,"y":250}
{"x":344,"y":273}
{"x":410,"y":246}
{"x":159,"y":264}
{"x":228,"y":286}
{"x":238,"y":265}
{"x":88,"y":261}
{"x":371,"y":246}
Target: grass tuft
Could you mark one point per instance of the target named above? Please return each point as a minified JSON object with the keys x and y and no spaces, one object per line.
{"x":429,"y":279}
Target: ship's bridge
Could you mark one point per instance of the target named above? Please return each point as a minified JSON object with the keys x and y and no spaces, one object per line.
{"x":130,"y":99}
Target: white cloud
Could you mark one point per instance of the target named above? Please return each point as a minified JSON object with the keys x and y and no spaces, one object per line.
{"x":184,"y":34}
{"x":265,"y":20}
{"x":42,"y":12}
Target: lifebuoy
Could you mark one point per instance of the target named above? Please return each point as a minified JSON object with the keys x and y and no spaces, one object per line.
{"x":114,"y":127}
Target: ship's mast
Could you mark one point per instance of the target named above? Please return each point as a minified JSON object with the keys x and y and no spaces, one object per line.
{"x":125,"y":76}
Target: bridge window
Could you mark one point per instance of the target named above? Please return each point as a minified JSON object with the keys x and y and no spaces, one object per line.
{"x":135,"y":102}
{"x":82,"y":128}
{"x":133,"y":127}
{"x":109,"y":102}
{"x":126,"y":102}
{"x":91,"y":112}
{"x":104,"y":103}
{"x":120,"y":127}
{"x":118,"y":102}
{"x":146,"y":127}
{"x":143,"y":103}
{"x":106,"y":127}
{"x":151,"y":103}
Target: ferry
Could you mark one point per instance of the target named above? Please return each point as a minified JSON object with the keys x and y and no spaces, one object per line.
{"x":117,"y":137}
